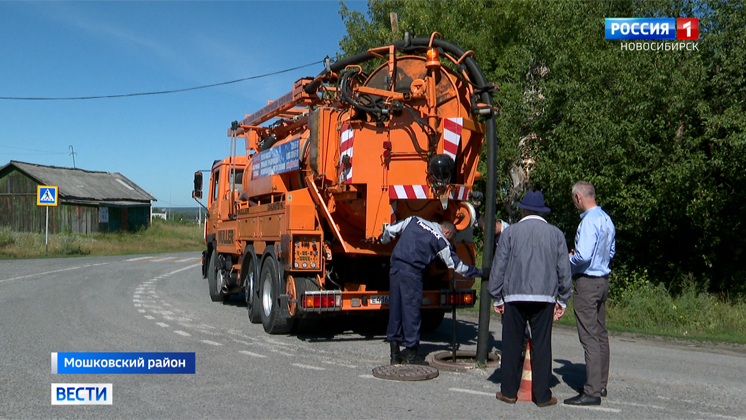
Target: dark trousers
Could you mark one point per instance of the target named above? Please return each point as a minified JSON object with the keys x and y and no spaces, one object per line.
{"x":539,"y":316}
{"x":405,"y":299}
{"x":590,"y":297}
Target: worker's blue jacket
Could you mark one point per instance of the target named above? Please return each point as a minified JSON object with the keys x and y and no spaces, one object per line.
{"x":420,"y":241}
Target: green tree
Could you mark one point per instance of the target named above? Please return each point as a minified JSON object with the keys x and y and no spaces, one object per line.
{"x":659,"y":133}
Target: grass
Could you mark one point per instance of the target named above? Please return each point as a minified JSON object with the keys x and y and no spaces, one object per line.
{"x":161,"y":236}
{"x":638,"y":305}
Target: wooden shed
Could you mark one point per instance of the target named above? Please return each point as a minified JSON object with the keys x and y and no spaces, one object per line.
{"x":88,"y":201}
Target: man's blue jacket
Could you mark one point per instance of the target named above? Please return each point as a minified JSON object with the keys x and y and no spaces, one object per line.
{"x":420,"y":242}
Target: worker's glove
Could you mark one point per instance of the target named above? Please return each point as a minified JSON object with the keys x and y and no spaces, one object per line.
{"x":480,"y":273}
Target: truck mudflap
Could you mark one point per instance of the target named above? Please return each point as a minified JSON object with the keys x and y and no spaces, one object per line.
{"x":284,"y":308}
{"x":335,"y":300}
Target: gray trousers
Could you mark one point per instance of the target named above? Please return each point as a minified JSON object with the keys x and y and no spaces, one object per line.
{"x":590,"y":297}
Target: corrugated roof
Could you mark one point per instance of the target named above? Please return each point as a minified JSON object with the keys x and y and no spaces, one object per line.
{"x":79,"y":184}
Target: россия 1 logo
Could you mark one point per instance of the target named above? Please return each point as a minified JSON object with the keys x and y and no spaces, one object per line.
{"x":682,"y":29}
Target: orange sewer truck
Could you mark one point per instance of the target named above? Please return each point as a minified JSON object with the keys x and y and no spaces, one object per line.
{"x":295,"y":221}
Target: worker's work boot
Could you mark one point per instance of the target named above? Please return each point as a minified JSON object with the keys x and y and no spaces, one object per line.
{"x":411,"y":356}
{"x":396,"y":358}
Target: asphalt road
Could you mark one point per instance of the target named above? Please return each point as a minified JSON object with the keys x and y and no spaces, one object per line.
{"x":161,"y":304}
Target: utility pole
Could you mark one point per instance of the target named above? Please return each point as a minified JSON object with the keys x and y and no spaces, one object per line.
{"x":394,"y":25}
{"x":72,"y":152}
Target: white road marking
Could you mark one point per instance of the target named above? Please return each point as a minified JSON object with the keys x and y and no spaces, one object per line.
{"x":608,"y":410}
{"x":282,"y":353}
{"x":185,"y":334}
{"x":373,"y":377}
{"x":720,"y":416}
{"x":161,"y":259}
{"x":181,"y":269}
{"x":142,"y":311}
{"x":339,"y":364}
{"x":308,"y":367}
{"x":161,"y":324}
{"x":690,"y":402}
{"x":137,"y":305}
{"x":149,"y":317}
{"x":139,"y":258}
{"x":41,"y":274}
{"x":657,"y":407}
{"x":469,"y":391}
{"x":251,"y":354}
{"x":212,"y":343}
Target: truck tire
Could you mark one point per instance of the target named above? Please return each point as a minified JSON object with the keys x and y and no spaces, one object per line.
{"x":251,"y":281}
{"x":431,"y":319}
{"x":212,"y":279}
{"x":269,"y":294}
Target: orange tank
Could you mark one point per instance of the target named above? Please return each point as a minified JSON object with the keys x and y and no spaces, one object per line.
{"x":327,"y":167}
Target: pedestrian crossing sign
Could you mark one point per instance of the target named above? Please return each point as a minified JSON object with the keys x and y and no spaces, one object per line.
{"x":46,"y":195}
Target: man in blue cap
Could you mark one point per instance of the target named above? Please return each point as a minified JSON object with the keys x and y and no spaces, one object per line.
{"x":530,"y":282}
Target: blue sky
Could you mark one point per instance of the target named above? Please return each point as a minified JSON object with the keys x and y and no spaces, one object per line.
{"x":73,"y":49}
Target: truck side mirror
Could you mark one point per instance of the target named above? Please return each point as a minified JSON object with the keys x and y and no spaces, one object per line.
{"x":197,"y":193}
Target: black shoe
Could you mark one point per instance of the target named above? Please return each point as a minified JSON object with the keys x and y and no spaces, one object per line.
{"x":411,"y":356}
{"x":603,"y":392}
{"x":396,"y":358}
{"x":583,"y":399}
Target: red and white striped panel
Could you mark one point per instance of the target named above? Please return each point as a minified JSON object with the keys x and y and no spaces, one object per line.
{"x":346,"y":141}
{"x":452,"y":128}
{"x":407,"y":192}
{"x":460,"y":193}
{"x":393,"y":211}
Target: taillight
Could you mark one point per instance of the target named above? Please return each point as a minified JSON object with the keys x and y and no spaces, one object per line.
{"x":322,"y":301}
{"x":461,"y":298}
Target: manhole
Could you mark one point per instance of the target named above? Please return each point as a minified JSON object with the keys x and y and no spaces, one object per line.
{"x":405,"y":372}
{"x":465,"y":359}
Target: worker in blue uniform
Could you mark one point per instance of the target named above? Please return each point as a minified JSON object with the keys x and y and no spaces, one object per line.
{"x":420,"y":242}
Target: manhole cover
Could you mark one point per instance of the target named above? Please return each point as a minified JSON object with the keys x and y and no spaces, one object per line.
{"x":465,"y":359}
{"x":405,"y":372}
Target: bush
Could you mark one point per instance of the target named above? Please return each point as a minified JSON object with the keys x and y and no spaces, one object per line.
{"x":7,"y":237}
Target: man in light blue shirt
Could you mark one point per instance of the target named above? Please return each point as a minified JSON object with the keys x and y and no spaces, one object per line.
{"x":595,"y":246}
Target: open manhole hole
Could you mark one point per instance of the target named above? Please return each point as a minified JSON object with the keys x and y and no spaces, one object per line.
{"x":405,"y":372}
{"x":465,"y":359}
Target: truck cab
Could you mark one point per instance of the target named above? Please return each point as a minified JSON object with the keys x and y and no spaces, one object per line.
{"x":220,"y":225}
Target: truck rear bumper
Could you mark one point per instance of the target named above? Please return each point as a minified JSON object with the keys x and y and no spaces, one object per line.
{"x":332,"y":301}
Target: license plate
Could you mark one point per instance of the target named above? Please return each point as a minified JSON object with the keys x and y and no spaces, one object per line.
{"x":379,"y":300}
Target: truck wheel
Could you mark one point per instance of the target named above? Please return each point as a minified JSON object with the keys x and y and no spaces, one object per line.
{"x":431,"y":319}
{"x":252,"y":288}
{"x":213,"y":278}
{"x":269,"y":293}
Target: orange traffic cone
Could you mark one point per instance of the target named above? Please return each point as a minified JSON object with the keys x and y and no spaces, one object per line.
{"x":525,"y":393}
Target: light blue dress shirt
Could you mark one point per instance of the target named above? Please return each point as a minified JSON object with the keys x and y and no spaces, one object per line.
{"x":595,"y":244}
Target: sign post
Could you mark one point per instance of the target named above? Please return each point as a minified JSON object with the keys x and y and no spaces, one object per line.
{"x":46,"y":196}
